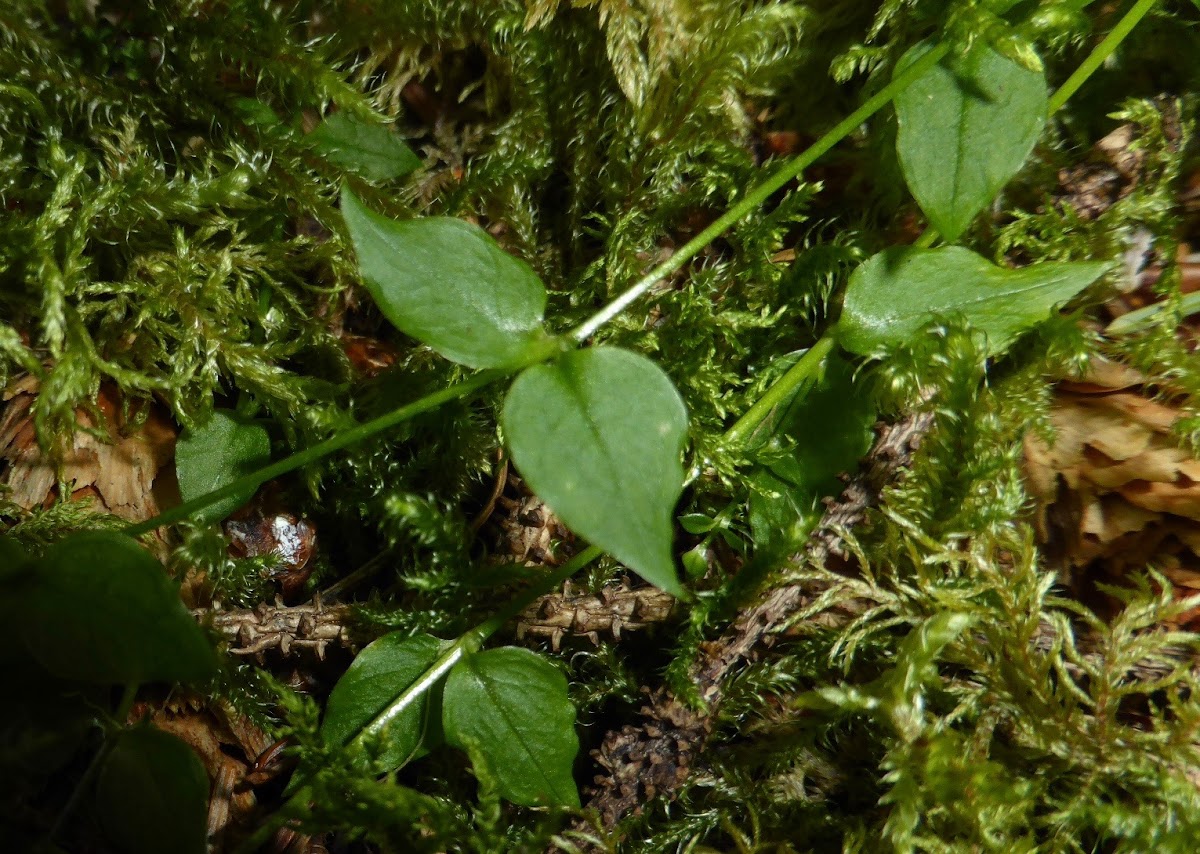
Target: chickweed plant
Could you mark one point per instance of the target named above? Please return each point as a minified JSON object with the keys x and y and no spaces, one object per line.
{"x":659,"y":256}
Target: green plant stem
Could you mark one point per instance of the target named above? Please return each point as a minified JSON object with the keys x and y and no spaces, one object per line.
{"x":128,"y":695}
{"x":473,"y":639}
{"x":1099,"y":54}
{"x":336,"y":443}
{"x":794,"y":378}
{"x":468,"y":642}
{"x":760,"y":194}
{"x":927,"y":238}
{"x":781,"y":392}
{"x":752,"y":200}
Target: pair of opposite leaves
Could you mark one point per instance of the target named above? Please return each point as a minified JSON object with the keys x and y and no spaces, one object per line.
{"x":598,"y":433}
{"x":70,"y":627}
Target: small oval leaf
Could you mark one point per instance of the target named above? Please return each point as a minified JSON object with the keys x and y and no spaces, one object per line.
{"x":892,"y":296}
{"x":448,"y":284}
{"x":99,"y":608}
{"x":152,"y":794}
{"x":598,"y":435}
{"x":216,"y":453}
{"x":367,"y":149}
{"x":963,"y":129}
{"x":511,"y":706}
{"x":379,"y":674}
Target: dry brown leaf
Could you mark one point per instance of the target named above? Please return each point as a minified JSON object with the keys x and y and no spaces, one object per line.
{"x":128,"y":475}
{"x":1114,"y":492}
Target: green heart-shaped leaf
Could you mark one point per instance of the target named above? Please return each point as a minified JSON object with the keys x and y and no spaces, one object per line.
{"x":379,"y":674}
{"x":510,"y":705}
{"x":598,"y":434}
{"x":98,"y":608}
{"x":892,"y":296}
{"x":152,"y":795}
{"x":367,"y":149}
{"x":446,"y":283}
{"x":964,"y":128}
{"x":218,"y":452}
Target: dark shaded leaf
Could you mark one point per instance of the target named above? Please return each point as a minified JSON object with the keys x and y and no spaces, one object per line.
{"x":98,"y":608}
{"x":511,"y":705}
{"x":216,"y":453}
{"x":152,"y":794}
{"x":824,"y":432}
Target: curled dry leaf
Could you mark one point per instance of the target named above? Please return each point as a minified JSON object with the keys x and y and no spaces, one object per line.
{"x":1115,"y":492}
{"x":254,"y":532}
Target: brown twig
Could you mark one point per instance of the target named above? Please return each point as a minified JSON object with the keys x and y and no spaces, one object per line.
{"x":315,"y":626}
{"x":256,"y":631}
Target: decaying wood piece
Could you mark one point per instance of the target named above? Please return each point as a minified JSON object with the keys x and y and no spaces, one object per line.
{"x":652,"y":759}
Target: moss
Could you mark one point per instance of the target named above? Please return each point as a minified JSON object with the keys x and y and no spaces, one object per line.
{"x":167,"y":229}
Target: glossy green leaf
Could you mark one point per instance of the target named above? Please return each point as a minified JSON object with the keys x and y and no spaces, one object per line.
{"x":512,"y":706}
{"x":448,"y":284}
{"x":367,"y":149}
{"x":697,"y":523}
{"x":598,"y":435}
{"x":152,"y":794}
{"x":216,"y":453}
{"x":822,"y":433}
{"x":965,"y":128}
{"x":895,"y":294}
{"x":379,"y":674}
{"x":695,"y":562}
{"x":99,"y":608}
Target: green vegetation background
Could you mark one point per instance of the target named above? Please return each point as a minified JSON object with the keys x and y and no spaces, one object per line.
{"x":165,"y":228}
